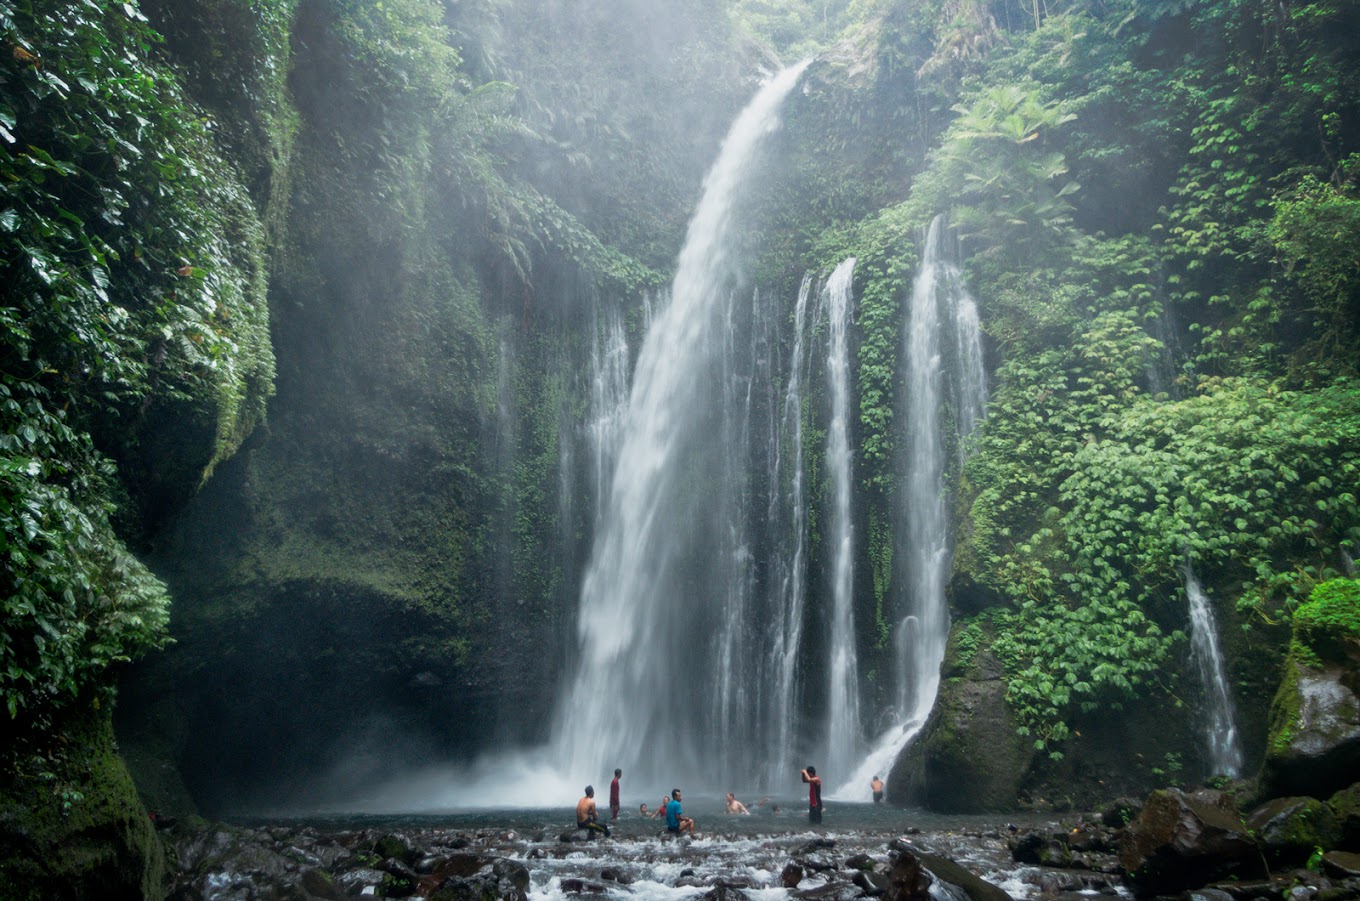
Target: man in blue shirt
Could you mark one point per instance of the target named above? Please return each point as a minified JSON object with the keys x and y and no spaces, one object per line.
{"x":676,"y":821}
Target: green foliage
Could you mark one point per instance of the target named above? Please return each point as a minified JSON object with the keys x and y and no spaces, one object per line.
{"x":1231,"y":480}
{"x":795,"y":28}
{"x":133,"y":266}
{"x":1330,"y":616}
{"x":885,"y":260}
{"x":995,"y":170}
{"x":1315,"y":232}
{"x":968,"y":640}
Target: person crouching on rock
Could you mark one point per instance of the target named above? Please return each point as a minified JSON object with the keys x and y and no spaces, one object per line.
{"x":587,"y":817}
{"x":676,"y":821}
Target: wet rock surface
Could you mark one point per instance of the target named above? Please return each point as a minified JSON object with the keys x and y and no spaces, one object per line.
{"x":1189,"y":844}
{"x":232,"y":862}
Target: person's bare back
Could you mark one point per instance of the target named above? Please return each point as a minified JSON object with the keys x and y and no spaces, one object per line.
{"x":585,"y":809}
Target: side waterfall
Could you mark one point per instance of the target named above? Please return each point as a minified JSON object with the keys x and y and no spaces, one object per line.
{"x":654,"y":626}
{"x":1225,"y":750}
{"x":788,"y":505}
{"x":608,"y":401}
{"x":844,"y":738}
{"x":944,"y":371}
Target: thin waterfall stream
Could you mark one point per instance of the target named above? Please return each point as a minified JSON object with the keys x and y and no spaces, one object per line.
{"x":941,"y":313}
{"x":1220,"y":727}
{"x":788,"y":505}
{"x":844,"y":737}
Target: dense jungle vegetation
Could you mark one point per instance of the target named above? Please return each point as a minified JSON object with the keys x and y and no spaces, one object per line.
{"x":262,"y":259}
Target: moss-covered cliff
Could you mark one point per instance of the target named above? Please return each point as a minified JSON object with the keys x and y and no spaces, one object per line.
{"x":425,"y":212}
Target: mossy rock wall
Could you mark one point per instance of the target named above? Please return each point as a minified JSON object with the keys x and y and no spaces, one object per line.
{"x":971,"y":757}
{"x":71,"y":823}
{"x":968,"y":758}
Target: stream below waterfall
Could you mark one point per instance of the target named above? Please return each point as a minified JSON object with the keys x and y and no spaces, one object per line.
{"x":639,"y":861}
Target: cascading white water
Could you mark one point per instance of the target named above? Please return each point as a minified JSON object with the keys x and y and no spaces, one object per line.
{"x":940,"y":304}
{"x":844,"y":739}
{"x":646,"y":687}
{"x":1225,"y":751}
{"x":608,"y":401}
{"x":790,"y":559}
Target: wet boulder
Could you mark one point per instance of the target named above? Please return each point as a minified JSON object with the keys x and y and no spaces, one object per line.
{"x":1345,"y":808}
{"x":969,"y":757}
{"x":320,"y":884}
{"x":1208,"y":894}
{"x":1341,"y":864}
{"x":1290,"y":828}
{"x":832,"y":891}
{"x":395,"y":845}
{"x":472,"y":877}
{"x":791,"y":875}
{"x":909,"y":880}
{"x":575,"y":886}
{"x":1041,"y":849}
{"x":355,"y":881}
{"x":974,"y":886}
{"x":1183,"y":841}
{"x":1120,"y":812}
{"x":872,"y":884}
{"x":1314,"y":743}
{"x":725,"y":893}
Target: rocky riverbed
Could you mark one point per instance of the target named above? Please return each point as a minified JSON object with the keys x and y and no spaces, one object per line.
{"x":1179,"y":844}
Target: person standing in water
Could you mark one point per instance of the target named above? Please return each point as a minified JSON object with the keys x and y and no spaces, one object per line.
{"x":586,"y":815}
{"x":814,"y":794}
{"x":614,"y":796}
{"x":735,"y":806}
{"x":876,"y":786}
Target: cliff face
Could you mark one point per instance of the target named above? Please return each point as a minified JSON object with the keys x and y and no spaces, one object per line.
{"x":399,"y":553}
{"x":392,"y":562}
{"x":409,"y":225}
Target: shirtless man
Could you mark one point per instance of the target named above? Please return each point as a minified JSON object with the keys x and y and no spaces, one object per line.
{"x":876,"y":786}
{"x":587,"y":817}
{"x":735,"y":806}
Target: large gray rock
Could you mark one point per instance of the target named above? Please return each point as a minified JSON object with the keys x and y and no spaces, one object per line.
{"x":1345,"y":808}
{"x":1183,"y":841}
{"x":908,"y":880}
{"x":1314,"y":746}
{"x":969,"y":757}
{"x":1290,"y":828}
{"x":976,"y":888}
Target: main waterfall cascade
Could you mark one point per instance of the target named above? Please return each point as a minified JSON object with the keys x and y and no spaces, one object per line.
{"x":1220,"y":727}
{"x":943,"y":365}
{"x":709,"y":652}
{"x":660,"y":688}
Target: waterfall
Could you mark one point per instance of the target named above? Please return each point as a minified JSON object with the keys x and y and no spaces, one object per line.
{"x":789,"y":560}
{"x":1225,"y":751}
{"x":844,"y":739}
{"x":608,"y":401}
{"x":654,"y":690}
{"x":936,"y":381}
